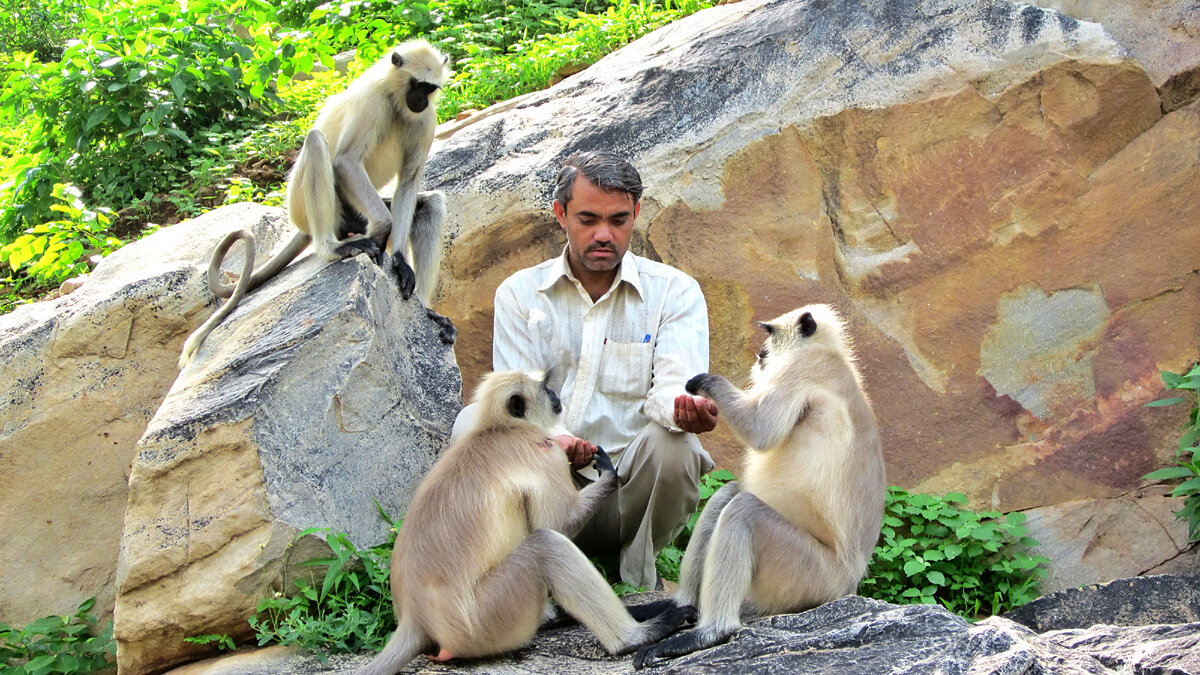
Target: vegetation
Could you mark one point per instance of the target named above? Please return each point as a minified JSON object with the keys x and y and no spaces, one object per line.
{"x":350,"y":612}
{"x":58,"y":644}
{"x":933,"y":551}
{"x":119,"y":113}
{"x":1187,"y":461}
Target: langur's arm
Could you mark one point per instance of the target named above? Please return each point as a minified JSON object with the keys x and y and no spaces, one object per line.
{"x":680,"y":351}
{"x":404,"y":204}
{"x":590,"y":497}
{"x":761,"y":422}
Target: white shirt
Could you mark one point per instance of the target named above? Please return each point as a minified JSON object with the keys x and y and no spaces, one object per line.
{"x":618,"y":363}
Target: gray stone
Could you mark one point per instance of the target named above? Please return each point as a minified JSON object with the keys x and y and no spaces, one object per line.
{"x":851,"y":635}
{"x":1141,"y":601}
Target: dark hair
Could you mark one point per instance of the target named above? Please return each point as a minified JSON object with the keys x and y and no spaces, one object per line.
{"x":606,"y":170}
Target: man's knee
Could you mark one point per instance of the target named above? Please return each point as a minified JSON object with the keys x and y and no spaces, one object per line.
{"x":674,"y":456}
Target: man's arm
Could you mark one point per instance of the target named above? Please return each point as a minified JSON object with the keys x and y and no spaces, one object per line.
{"x":681,"y":351}
{"x":514,"y":342}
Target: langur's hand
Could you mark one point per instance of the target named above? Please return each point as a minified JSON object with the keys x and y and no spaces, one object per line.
{"x":603,"y":461}
{"x":695,"y":414}
{"x":579,"y":452}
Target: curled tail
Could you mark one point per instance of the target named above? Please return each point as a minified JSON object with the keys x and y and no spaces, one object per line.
{"x":248,"y":281}
{"x":312,"y":195}
{"x":402,"y":647}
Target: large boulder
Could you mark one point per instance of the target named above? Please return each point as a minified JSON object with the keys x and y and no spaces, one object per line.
{"x":991,"y":192}
{"x":322,"y":398}
{"x":84,"y":374}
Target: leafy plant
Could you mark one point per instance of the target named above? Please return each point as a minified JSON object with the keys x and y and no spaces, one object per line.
{"x":56,"y":250}
{"x":670,"y":558}
{"x":58,"y":644}
{"x":222,"y":641}
{"x":931,"y":550}
{"x":1187,"y":461}
{"x":350,"y":612}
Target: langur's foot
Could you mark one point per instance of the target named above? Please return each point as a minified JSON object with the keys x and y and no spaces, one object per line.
{"x":442,"y":656}
{"x":406,"y":279}
{"x":447,"y":333}
{"x":356,"y":245}
{"x":679,"y":645}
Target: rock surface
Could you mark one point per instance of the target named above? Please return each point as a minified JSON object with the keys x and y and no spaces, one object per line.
{"x":1094,"y":540}
{"x":83,"y":376}
{"x":853,"y":635}
{"x":1140,"y":601}
{"x":990,"y":192}
{"x":323,"y":395}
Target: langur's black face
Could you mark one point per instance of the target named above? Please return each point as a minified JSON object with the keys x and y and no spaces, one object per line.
{"x":417,"y":98}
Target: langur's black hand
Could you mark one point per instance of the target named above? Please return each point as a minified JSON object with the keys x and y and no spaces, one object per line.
{"x":603,"y":461}
{"x":697,"y":384}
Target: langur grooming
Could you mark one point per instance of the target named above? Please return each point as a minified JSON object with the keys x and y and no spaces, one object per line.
{"x":486,"y":541}
{"x":379,"y":129}
{"x":800,"y":527}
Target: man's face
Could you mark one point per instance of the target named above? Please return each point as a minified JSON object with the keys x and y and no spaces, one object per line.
{"x":598,"y":223}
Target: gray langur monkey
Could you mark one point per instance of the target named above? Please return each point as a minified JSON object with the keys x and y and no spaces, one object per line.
{"x":799,"y":528}
{"x":379,"y":129}
{"x":486,"y":540}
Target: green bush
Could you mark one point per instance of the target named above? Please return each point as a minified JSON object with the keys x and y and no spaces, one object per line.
{"x":350,"y":612}
{"x":931,"y":550}
{"x":49,"y":253}
{"x":38,"y":26}
{"x":1187,"y":461}
{"x":58,"y":644}
{"x":135,"y":88}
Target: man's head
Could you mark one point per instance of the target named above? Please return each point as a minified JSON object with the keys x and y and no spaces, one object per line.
{"x":596,"y":201}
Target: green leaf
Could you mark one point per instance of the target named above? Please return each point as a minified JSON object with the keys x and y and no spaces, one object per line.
{"x":1169,"y":473}
{"x":915,"y":567}
{"x":1165,"y":402}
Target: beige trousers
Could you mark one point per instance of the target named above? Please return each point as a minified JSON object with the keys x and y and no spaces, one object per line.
{"x":658,"y":478}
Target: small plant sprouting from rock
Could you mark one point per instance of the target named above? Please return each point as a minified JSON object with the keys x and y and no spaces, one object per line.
{"x":350,"y":612}
{"x":222,"y":641}
{"x":932,"y":551}
{"x":1187,"y":462}
{"x":58,"y":644}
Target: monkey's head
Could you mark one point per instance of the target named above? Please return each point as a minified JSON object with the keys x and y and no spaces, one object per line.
{"x":515,"y":398}
{"x":419,"y":71}
{"x":812,"y":329}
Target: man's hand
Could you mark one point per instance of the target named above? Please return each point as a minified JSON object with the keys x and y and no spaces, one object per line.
{"x":579,"y":452}
{"x":695,"y":414}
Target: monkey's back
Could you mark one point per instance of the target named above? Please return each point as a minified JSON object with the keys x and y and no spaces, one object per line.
{"x":466,"y":516}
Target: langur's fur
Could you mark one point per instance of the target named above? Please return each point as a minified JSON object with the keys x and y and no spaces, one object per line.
{"x":486,"y":540}
{"x":800,"y":527}
{"x":379,"y":129}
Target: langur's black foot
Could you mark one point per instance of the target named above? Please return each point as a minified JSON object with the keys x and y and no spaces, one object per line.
{"x":447,"y":333}
{"x":406,"y":279}
{"x":650,"y":610}
{"x":679,"y":645}
{"x":356,"y":245}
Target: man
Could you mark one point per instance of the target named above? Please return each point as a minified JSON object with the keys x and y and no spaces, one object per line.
{"x":620,"y":335}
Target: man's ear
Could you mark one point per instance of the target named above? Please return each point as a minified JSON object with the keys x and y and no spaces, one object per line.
{"x":560,"y":214}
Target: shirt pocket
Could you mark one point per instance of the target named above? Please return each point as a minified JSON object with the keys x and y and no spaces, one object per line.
{"x":626,"y":369}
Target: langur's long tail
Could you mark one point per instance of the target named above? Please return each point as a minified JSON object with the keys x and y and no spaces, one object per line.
{"x":239,"y":290}
{"x":312,"y":195}
{"x":402,"y":647}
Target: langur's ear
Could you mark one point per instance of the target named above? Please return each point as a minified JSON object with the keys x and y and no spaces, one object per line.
{"x":397,"y":60}
{"x":516,"y":406}
{"x":765,"y":326}
{"x":807,"y":324}
{"x":445,"y":59}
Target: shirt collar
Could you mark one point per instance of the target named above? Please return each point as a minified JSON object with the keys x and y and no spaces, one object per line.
{"x":628,"y":272}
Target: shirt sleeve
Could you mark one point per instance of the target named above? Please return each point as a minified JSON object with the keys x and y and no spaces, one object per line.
{"x":680,"y":352}
{"x":513,"y":343}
